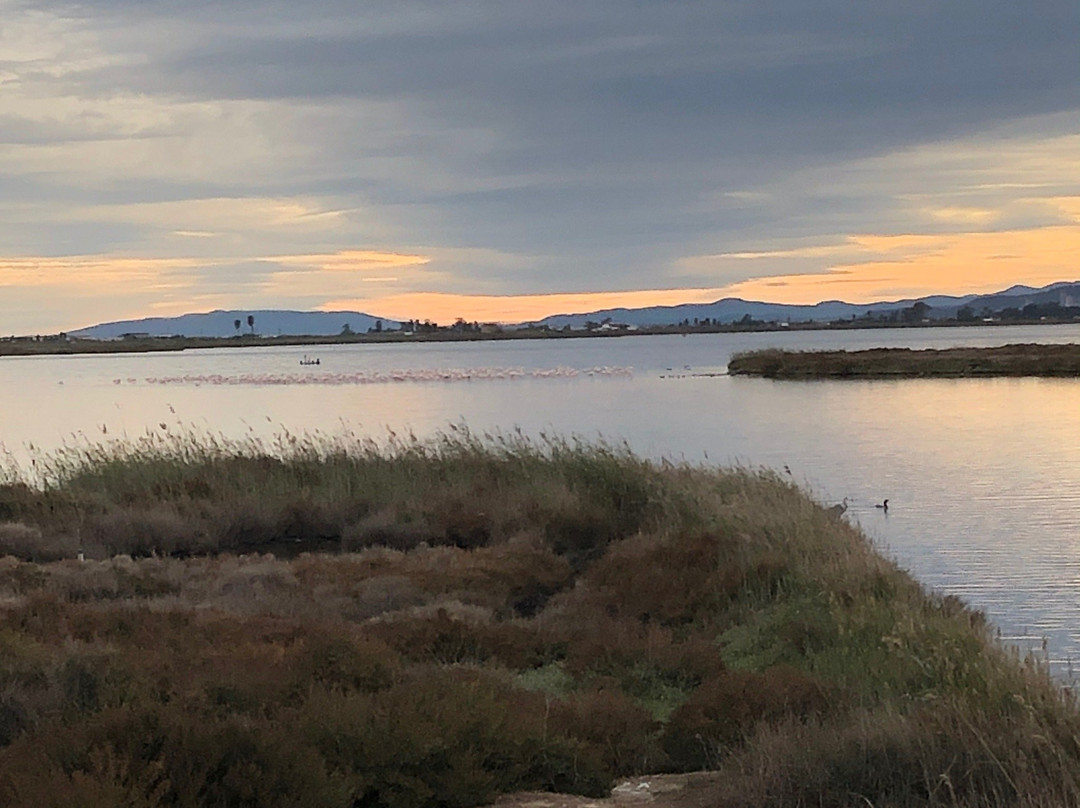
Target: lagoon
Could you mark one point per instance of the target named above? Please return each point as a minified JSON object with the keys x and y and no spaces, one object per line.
{"x":982,"y":475}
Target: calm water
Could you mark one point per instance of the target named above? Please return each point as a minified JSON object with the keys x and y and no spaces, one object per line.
{"x":982,"y":476}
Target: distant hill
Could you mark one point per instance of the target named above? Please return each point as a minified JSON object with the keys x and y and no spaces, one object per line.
{"x":222,"y":324}
{"x":733,"y":309}
{"x":1066,"y":293}
{"x":728,"y":310}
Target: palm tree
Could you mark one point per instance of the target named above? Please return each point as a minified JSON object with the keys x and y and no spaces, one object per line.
{"x":236,"y":325}
{"x":251,"y":322}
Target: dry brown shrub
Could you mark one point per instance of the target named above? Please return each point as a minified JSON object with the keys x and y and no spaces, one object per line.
{"x":462,"y":524}
{"x":259,"y":666}
{"x":383,"y":595}
{"x":18,"y":501}
{"x":287,"y":524}
{"x":601,"y":644}
{"x":347,"y":663}
{"x":19,"y":540}
{"x":145,"y":530}
{"x":84,"y":581}
{"x":384,"y":529}
{"x":244,"y":524}
{"x":524,"y":572}
{"x":255,"y":584}
{"x":212,"y":662}
{"x":622,"y":732}
{"x":937,"y":755}
{"x":15,"y":717}
{"x":766,"y":572}
{"x":32,"y":779}
{"x":725,"y":709}
{"x":446,"y":639}
{"x":671,"y":582}
{"x":40,"y":616}
{"x":285,"y":528}
{"x":314,"y":525}
{"x":157,"y":757}
{"x":641,"y":656}
{"x":314,"y":569}
{"x":18,"y":578}
{"x":517,"y":577}
{"x":453,"y":736}
{"x":580,"y":531}
{"x":29,"y":543}
{"x":255,"y":576}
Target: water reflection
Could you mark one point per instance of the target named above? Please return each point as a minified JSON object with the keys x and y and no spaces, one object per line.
{"x":982,"y":476}
{"x":984,"y":490}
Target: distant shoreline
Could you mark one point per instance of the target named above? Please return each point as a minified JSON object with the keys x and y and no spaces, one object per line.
{"x":887,"y":363}
{"x":65,"y":345}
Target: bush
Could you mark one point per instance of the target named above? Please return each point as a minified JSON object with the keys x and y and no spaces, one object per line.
{"x":538,"y":617}
{"x":620,"y":732}
{"x":447,"y":737}
{"x":28,"y":543}
{"x":443,"y":639}
{"x":723,"y":711}
{"x":669,"y":582}
{"x":160,"y":758}
{"x":141,"y":532}
{"x":346,"y":664}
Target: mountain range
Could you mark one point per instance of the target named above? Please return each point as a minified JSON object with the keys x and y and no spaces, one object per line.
{"x":733,"y":309}
{"x":728,"y":310}
{"x":219,"y":323}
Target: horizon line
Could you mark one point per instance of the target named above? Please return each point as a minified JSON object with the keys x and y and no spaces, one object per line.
{"x":341,"y":306}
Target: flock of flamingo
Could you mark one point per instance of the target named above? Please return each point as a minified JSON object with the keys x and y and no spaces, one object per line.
{"x":381,"y":377}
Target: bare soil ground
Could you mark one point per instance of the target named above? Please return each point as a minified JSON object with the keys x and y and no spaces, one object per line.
{"x":694,"y":790}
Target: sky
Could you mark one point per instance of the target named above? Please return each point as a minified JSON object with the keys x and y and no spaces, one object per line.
{"x":509,"y":160}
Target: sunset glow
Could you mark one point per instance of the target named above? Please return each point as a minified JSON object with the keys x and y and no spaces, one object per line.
{"x":863,"y":269}
{"x":153,"y":165}
{"x":915,"y":266}
{"x":445,"y":308}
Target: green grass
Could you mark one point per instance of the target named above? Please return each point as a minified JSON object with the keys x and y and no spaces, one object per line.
{"x":434,"y":623}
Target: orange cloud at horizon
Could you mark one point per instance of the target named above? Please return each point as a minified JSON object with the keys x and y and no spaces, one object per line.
{"x":861,"y":268}
{"x":865,"y":269}
{"x":351,"y":260}
{"x":445,"y":307}
{"x":86,"y":271}
{"x":905,"y":266}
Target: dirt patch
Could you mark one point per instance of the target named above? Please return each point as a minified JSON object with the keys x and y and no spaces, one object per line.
{"x":695,"y":790}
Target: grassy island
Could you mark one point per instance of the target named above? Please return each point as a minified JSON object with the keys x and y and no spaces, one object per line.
{"x":1006,"y":360}
{"x":189,"y":622}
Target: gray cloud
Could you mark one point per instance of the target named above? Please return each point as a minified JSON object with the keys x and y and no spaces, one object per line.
{"x":601,"y":136}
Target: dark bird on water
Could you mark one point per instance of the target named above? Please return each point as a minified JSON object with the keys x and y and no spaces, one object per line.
{"x":884,"y":506}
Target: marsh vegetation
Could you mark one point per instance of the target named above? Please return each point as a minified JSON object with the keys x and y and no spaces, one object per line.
{"x":1005,"y":360}
{"x":338,"y":623}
